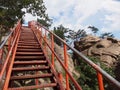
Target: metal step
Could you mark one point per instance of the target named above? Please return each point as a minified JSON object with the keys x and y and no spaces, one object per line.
{"x":31,"y":76}
{"x":28,"y":50}
{"x":29,"y":57}
{"x":30,"y":68}
{"x":30,"y":62}
{"x":29,"y":53}
{"x":28,"y":42}
{"x":32,"y":87}
{"x":31,"y":47}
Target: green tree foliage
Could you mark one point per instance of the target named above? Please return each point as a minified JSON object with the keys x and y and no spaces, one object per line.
{"x":93,"y":29}
{"x":88,"y":76}
{"x":45,"y":22}
{"x":60,"y":31}
{"x":107,"y":34}
{"x":12,"y":10}
{"x":77,"y":35}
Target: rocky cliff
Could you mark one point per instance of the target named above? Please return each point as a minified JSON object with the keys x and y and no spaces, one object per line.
{"x":107,"y":50}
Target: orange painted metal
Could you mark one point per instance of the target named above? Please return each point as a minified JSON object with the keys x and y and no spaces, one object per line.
{"x":9,"y":53}
{"x":60,"y":77}
{"x":52,"y":46}
{"x":50,"y":64}
{"x":35,"y":87}
{"x":66,"y":66}
{"x":5,"y":87}
{"x":1,"y":53}
{"x":9,"y":43}
{"x":100,"y":72}
{"x":40,"y":34}
{"x":45,"y":48}
{"x":32,"y":77}
{"x":100,"y":81}
{"x":60,"y":61}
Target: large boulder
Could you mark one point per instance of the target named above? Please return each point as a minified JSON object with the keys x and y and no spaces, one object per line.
{"x":107,"y":50}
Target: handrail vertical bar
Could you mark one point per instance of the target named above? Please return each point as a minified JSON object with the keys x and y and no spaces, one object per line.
{"x":45,"y":43}
{"x":41,"y":35}
{"x":66,"y":65}
{"x":9,"y":43}
{"x":100,"y":81}
{"x":88,"y":61}
{"x":60,"y":77}
{"x":52,"y":46}
{"x":9,"y":52}
{"x":1,"y":52}
{"x":14,"y":48}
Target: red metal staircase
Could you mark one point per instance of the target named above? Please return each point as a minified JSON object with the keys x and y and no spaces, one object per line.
{"x":30,"y":65}
{"x":24,"y":62}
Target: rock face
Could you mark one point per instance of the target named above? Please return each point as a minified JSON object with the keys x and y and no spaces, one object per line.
{"x":59,"y":51}
{"x":107,"y":50}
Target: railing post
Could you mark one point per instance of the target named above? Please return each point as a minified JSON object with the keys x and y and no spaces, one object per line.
{"x":100,"y":80}
{"x":9,"y":43}
{"x":1,"y":52}
{"x":40,"y":36}
{"x":52,"y":46}
{"x":66,"y":65}
{"x":45,"y":43}
{"x":60,"y":77}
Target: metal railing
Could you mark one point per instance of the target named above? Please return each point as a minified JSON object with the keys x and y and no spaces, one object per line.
{"x":42,"y":32}
{"x":8,"y":46}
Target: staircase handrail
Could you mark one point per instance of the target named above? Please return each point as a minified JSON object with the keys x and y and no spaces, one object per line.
{"x":10,"y":48}
{"x":87,"y":60}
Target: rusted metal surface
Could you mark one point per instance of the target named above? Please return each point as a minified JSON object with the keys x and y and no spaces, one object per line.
{"x":31,"y":68}
{"x":12,"y":59}
{"x":50,"y":64}
{"x":45,"y":46}
{"x":52,"y":46}
{"x":29,"y":57}
{"x":5,"y":64}
{"x":29,"y":53}
{"x":60,"y":77}
{"x":28,"y":50}
{"x":31,"y":47}
{"x":31,"y":76}
{"x":29,"y":62}
{"x":1,"y":53}
{"x":34,"y":87}
{"x":60,"y":61}
{"x":66,"y":65}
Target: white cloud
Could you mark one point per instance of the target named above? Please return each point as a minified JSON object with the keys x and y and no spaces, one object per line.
{"x":72,"y":13}
{"x":28,"y":17}
{"x":111,"y":20}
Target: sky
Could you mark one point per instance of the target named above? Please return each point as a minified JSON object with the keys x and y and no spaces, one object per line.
{"x":79,"y":14}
